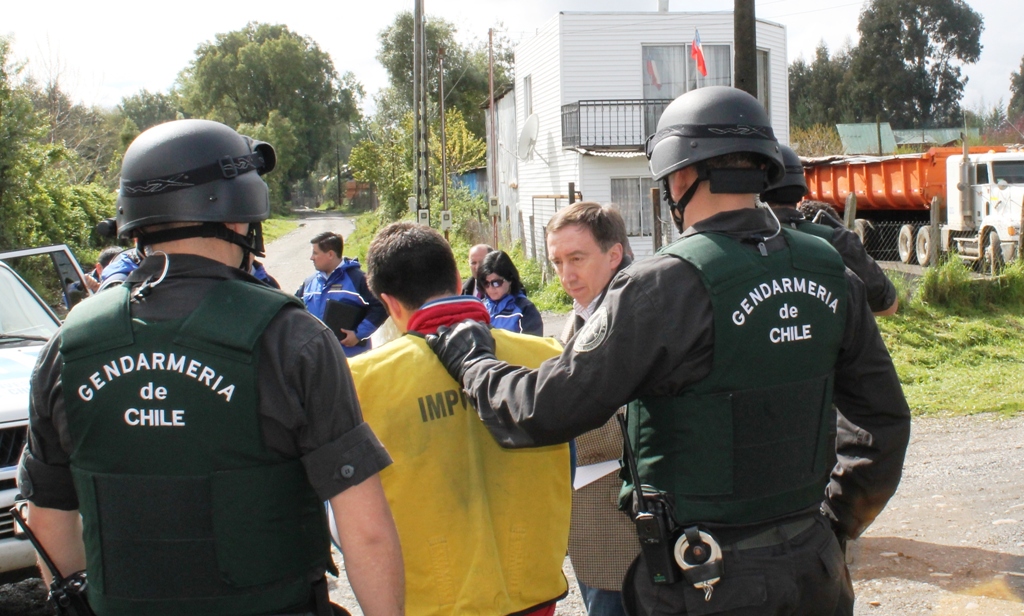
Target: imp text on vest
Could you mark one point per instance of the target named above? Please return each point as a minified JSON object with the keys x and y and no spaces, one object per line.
{"x":441,"y":404}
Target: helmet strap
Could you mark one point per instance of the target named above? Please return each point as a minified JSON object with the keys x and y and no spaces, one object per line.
{"x":678,"y":207}
{"x":252,"y":242}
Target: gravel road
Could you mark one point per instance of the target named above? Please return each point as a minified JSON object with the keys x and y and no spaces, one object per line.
{"x":950,"y":542}
{"x":952,"y":539}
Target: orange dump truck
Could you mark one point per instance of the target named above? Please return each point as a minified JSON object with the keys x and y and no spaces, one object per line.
{"x":978,"y":193}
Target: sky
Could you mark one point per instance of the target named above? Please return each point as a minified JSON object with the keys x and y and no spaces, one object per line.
{"x":108,"y":49}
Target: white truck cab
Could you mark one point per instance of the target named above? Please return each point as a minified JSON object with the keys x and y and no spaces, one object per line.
{"x":987,"y":215}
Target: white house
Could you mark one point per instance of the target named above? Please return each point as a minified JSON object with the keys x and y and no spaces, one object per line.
{"x":598,"y":83}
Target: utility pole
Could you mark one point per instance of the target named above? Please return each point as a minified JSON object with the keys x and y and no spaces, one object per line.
{"x":419,"y":140}
{"x":416,"y":16}
{"x":337,"y":162}
{"x":493,"y":132}
{"x":745,"y":41}
{"x":425,"y":123}
{"x":444,"y":143}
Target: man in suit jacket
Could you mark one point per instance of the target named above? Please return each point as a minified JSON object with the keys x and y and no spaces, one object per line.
{"x":587,"y":244}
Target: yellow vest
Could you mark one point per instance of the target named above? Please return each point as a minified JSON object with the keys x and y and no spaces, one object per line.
{"x":484,"y":530}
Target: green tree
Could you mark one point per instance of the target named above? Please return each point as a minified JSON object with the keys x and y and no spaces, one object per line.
{"x":465,"y":70}
{"x":41,"y":199}
{"x":1015,"y":110}
{"x":147,"y":109}
{"x":815,"y":89}
{"x":816,"y":140}
{"x":243,"y":76}
{"x":280,"y":133}
{"x":90,"y":132}
{"x":907,"y":66}
{"x":384,"y":159}
{"x":990,"y":120}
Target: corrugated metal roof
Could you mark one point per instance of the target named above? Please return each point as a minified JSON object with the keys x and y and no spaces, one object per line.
{"x":933,"y":136}
{"x":863,"y":138}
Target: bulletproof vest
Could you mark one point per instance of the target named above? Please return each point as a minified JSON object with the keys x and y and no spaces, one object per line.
{"x":185,"y":511}
{"x":750,"y":441}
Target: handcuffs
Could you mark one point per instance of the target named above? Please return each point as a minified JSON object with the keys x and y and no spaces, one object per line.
{"x":700,"y":557}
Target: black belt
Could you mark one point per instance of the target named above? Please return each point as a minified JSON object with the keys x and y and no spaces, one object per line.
{"x":773,"y":535}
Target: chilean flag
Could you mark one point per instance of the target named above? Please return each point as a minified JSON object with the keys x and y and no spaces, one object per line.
{"x":697,"y":51}
{"x":652,"y":72}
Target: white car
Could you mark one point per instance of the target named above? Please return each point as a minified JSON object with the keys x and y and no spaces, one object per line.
{"x":26,"y":323}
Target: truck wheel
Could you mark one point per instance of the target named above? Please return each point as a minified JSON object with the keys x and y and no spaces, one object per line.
{"x":991,"y":261}
{"x":906,"y":244}
{"x":924,"y":241}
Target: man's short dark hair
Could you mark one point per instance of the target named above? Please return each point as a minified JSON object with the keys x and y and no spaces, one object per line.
{"x":329,"y":240}
{"x":603,"y":221}
{"x":108,"y":255}
{"x":412,"y":263}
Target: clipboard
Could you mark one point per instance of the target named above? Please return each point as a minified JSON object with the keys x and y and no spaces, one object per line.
{"x":343,"y":315}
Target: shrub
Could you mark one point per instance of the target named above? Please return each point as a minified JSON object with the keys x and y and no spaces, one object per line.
{"x":953,"y":285}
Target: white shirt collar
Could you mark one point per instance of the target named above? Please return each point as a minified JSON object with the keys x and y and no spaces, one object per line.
{"x":582,"y":311}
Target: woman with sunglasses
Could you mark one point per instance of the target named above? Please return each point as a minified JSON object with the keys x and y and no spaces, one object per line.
{"x":505,"y":298}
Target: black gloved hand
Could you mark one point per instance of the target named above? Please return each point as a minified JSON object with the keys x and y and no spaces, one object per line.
{"x":461,"y":345}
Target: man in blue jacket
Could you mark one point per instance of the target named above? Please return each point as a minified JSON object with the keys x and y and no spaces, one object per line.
{"x":339,"y":278}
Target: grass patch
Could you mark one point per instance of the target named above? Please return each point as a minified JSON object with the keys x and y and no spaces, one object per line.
{"x":957,"y":364}
{"x":957,"y":340}
{"x":358,"y":241}
{"x":274,"y":228}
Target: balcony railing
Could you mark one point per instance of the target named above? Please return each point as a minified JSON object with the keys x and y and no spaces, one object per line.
{"x":621,"y":125}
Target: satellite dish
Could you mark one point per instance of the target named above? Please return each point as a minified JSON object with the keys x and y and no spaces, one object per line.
{"x":528,"y":138}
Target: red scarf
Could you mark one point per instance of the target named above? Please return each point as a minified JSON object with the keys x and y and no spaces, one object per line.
{"x":448,"y":311}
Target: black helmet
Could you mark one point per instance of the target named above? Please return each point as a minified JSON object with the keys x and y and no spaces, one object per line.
{"x":193,"y":171}
{"x":709,"y":122}
{"x":793,"y":186}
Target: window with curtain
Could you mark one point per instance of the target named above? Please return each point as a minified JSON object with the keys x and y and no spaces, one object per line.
{"x":669,"y":71}
{"x":632,"y":197}
{"x":763,"y":82}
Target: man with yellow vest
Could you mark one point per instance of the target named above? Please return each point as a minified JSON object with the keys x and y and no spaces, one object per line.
{"x":483,"y":529}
